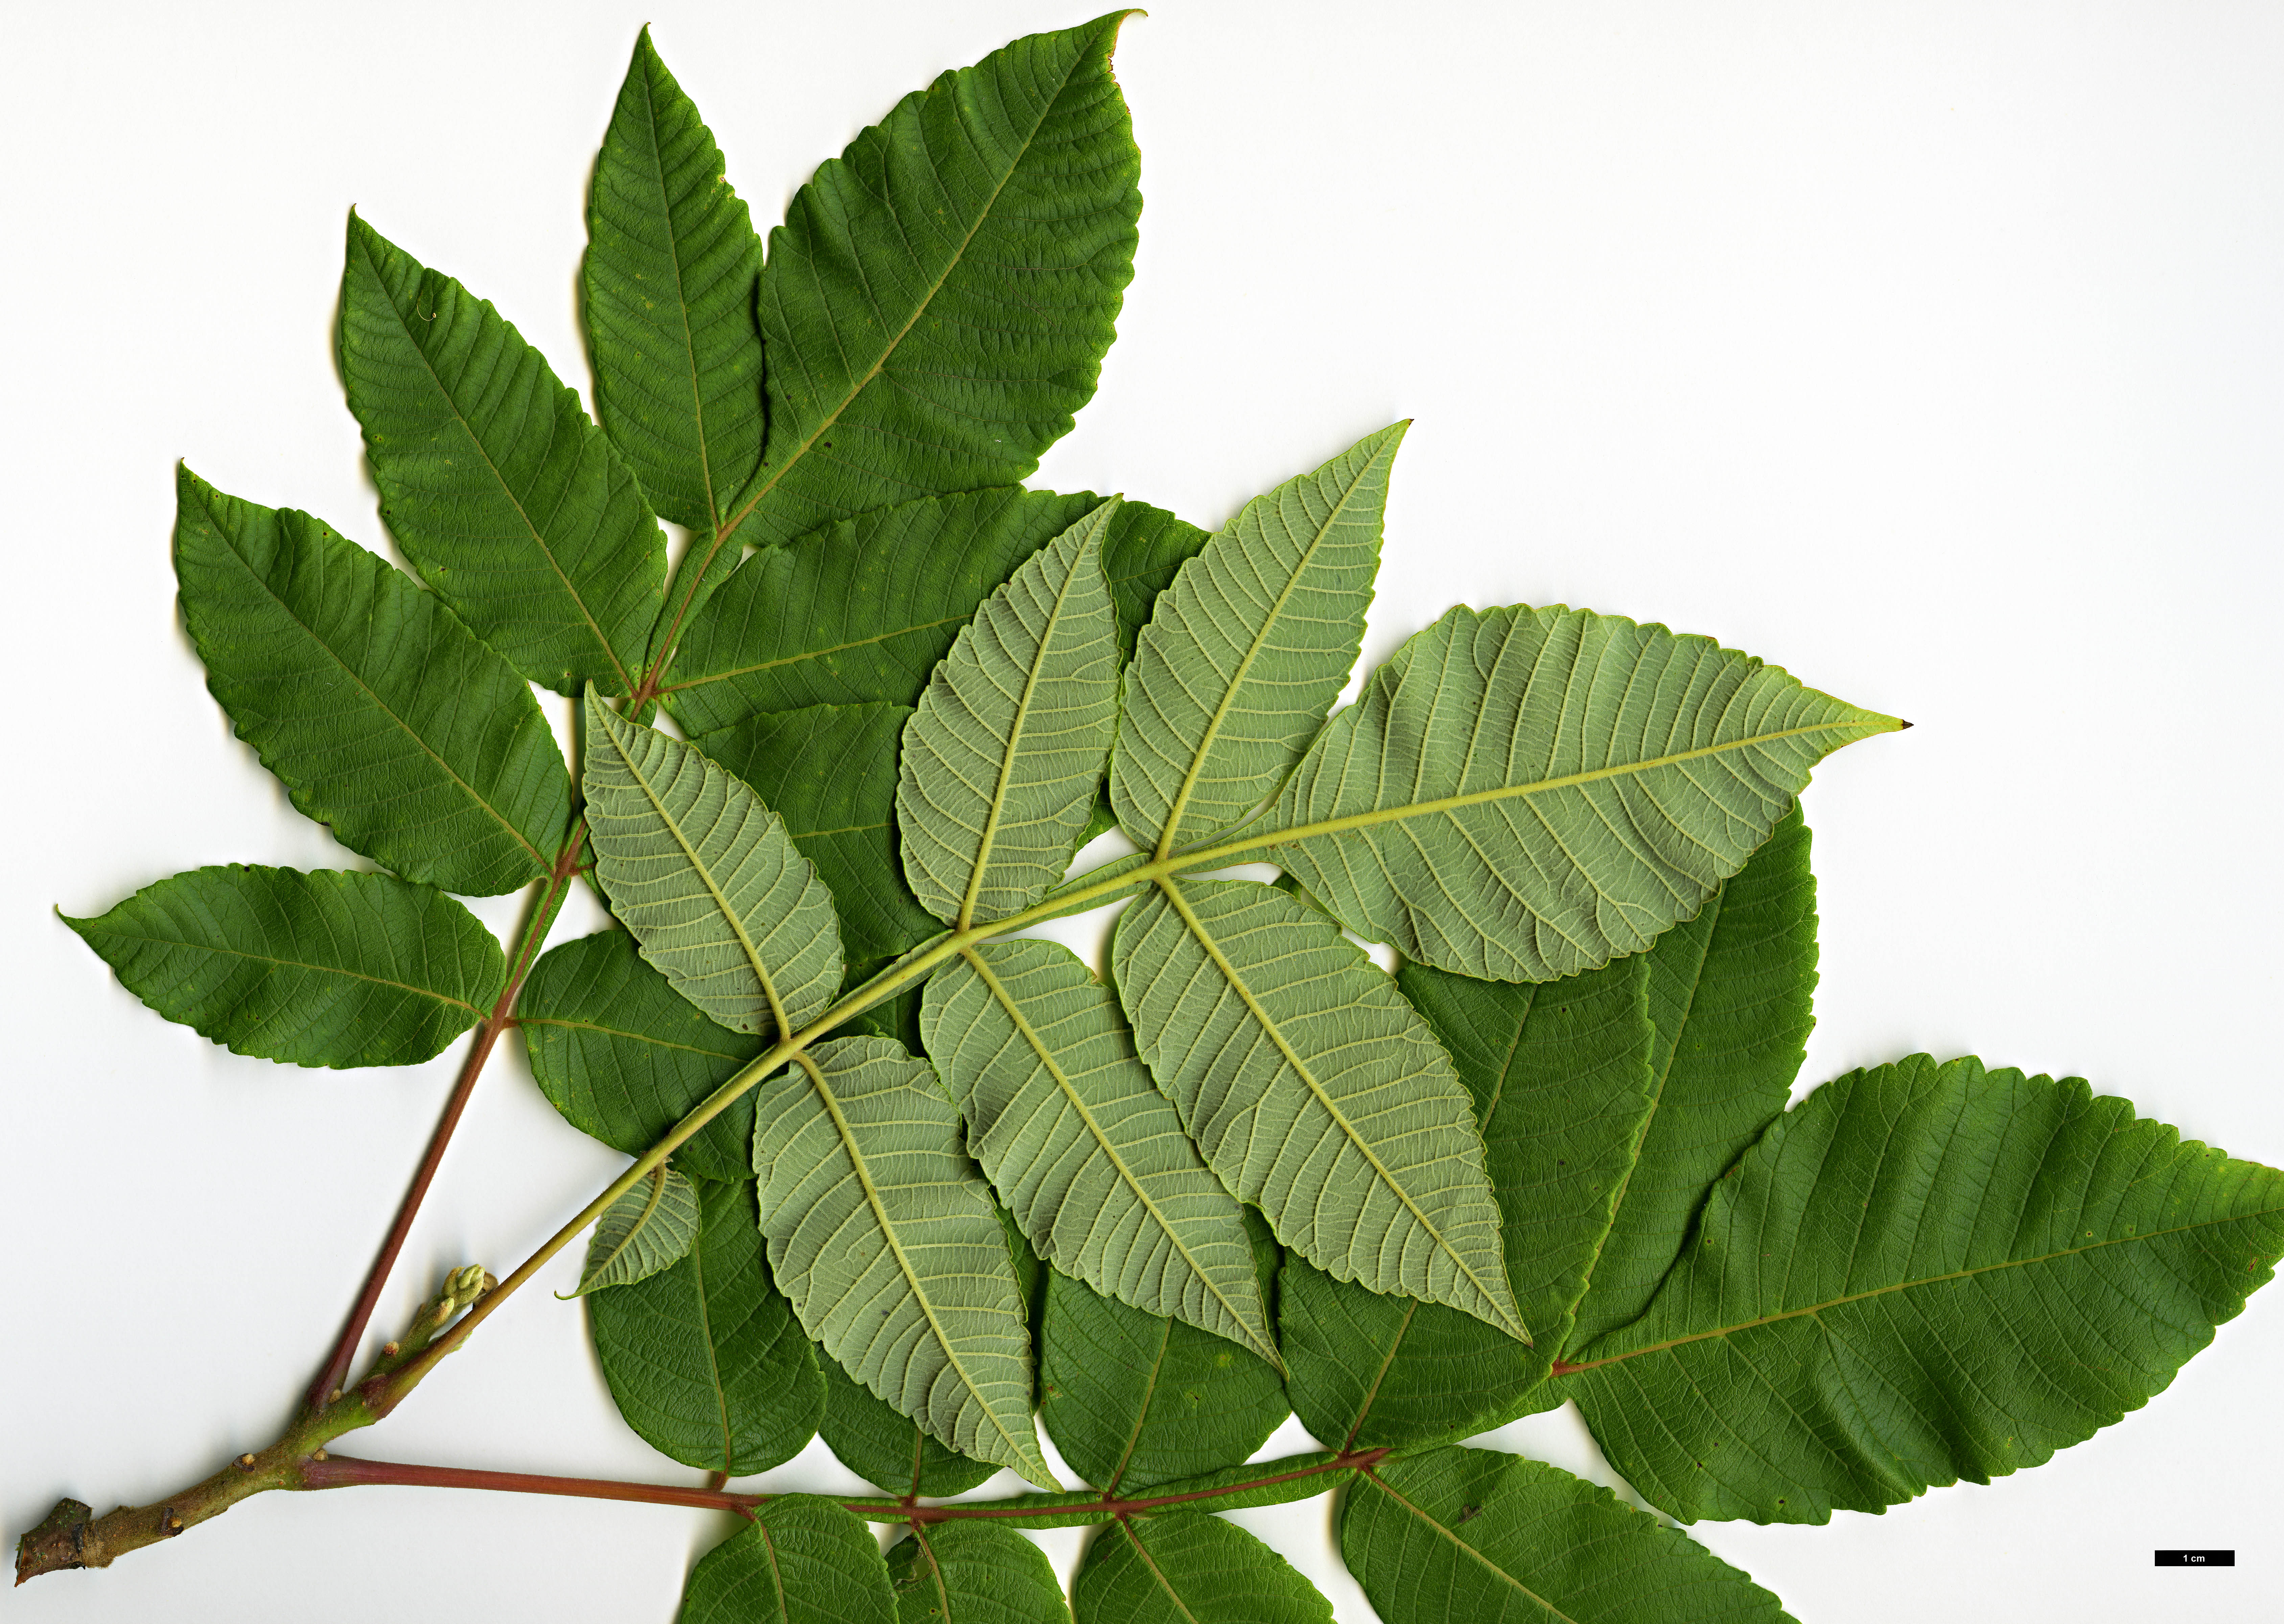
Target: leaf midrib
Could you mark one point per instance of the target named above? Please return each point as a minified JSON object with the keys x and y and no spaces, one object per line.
{"x":1301,"y":1069}
{"x":864,"y":1172}
{"x":1126,"y":1526}
{"x":295,"y":963}
{"x":952,"y":262}
{"x":1904,"y":1286}
{"x":546,"y":551}
{"x":1253,"y":649}
{"x":1438,"y":1525}
{"x":657,"y":1180}
{"x":815,"y":653}
{"x":1126,"y":1175}
{"x":540,"y":858}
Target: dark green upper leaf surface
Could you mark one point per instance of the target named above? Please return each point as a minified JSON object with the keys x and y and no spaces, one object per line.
{"x":859,"y":612}
{"x":1558,"y":1076}
{"x":384,"y":716}
{"x":1186,"y":1567}
{"x":670,"y":274}
{"x":1134,"y":1399}
{"x":829,"y":771}
{"x":1524,"y":793}
{"x":1920,"y":1274}
{"x":510,"y":502}
{"x":1732,"y":995}
{"x":937,"y":304}
{"x":704,"y":875}
{"x":887,"y":1449}
{"x":320,"y":969}
{"x":705,"y":1360}
{"x":1472,"y":1536}
{"x":624,"y":1057}
{"x":1258,"y":632}
{"x":1003,"y":757}
{"x":973,"y":1573}
{"x":1140,"y":555}
{"x":1314,"y":1090}
{"x":801,"y":1561}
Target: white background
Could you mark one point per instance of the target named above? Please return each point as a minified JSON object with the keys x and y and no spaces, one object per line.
{"x":1931,"y":351}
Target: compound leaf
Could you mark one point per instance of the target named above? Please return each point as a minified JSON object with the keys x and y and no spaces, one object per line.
{"x":1732,"y":995}
{"x":382,"y":714}
{"x":317,"y":969}
{"x":513,"y":505}
{"x":649,"y":1227}
{"x":860,"y":612}
{"x":1524,"y":793}
{"x":1923,"y":1273}
{"x":1133,"y":1400}
{"x":707,"y":880}
{"x":1001,"y":759}
{"x":887,"y":1245}
{"x":972,"y":1572}
{"x":801,"y":1561}
{"x":1558,"y":1076}
{"x":1246,"y":648}
{"x":1186,"y":1567}
{"x":1314,"y":1090}
{"x":624,"y":1057}
{"x":1089,"y":1157}
{"x":890,"y":1449}
{"x":1473,"y":1536}
{"x":704,"y":1359}
{"x":829,"y":771}
{"x":670,"y":274}
{"x":938,"y":302}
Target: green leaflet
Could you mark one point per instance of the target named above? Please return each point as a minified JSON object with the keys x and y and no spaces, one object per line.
{"x":1314,"y":1090}
{"x":1089,"y":1157}
{"x":1186,"y":1567}
{"x":888,"y":1246}
{"x":651,"y":1226}
{"x":971,"y":1573}
{"x":1559,"y":1075}
{"x":383,"y":715}
{"x":939,"y":299}
{"x":1145,"y":548}
{"x":1524,"y":793}
{"x":1473,"y":1537}
{"x":857,"y":613}
{"x":624,"y":1057}
{"x":1923,"y":1273}
{"x":890,"y":1449}
{"x":1243,"y":653}
{"x":1133,"y":1400}
{"x":513,"y":505}
{"x":319,"y":969}
{"x":704,"y":1359}
{"x":1731,"y":993}
{"x":705,"y":876}
{"x":801,"y":1561}
{"x":1001,"y":759}
{"x":829,"y":771}
{"x":669,"y":276}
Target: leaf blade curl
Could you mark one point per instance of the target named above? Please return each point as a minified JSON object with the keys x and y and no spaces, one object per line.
{"x":938,"y":303}
{"x":511,"y":504}
{"x":1490,"y":1538}
{"x":1246,"y":648}
{"x":1001,"y":758}
{"x":1091,"y":1159}
{"x":858,"y":1140}
{"x":704,"y":1359}
{"x":706,"y":878}
{"x":1313,"y":1090}
{"x":670,"y":274}
{"x":649,"y":1227}
{"x":1904,"y":1212}
{"x":1524,"y":793}
{"x":384,"y":716}
{"x":326,"y":968}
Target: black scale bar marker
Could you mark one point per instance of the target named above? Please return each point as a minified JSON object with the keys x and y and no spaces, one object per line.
{"x":2196,"y":1558}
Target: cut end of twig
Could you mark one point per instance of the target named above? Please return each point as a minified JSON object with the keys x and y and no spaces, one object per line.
{"x":58,"y":1543}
